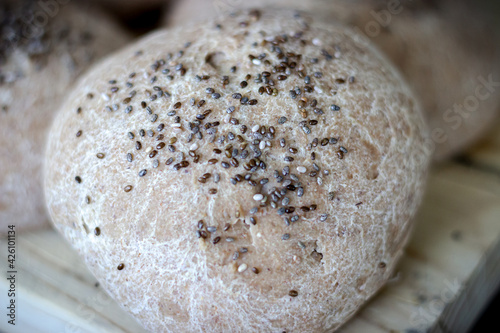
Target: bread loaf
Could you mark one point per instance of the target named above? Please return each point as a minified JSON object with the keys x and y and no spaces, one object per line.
{"x":42,"y":51}
{"x":453,"y":67}
{"x":260,"y":174}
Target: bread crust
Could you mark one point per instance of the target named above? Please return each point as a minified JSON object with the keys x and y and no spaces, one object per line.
{"x":37,"y":69}
{"x":446,"y":62}
{"x":139,"y":231}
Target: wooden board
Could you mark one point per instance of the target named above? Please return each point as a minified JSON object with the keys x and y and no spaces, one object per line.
{"x":450,"y":269}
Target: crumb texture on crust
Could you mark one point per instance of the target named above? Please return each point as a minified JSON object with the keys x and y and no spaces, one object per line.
{"x":253,"y":173}
{"x":38,"y":62}
{"x":447,"y":63}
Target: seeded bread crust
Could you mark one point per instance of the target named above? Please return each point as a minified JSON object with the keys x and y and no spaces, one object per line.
{"x":164,"y":216}
{"x":441,"y":57}
{"x":36,"y":70}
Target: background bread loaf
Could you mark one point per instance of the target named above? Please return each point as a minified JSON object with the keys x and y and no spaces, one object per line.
{"x":42,"y":51}
{"x":259,"y":174}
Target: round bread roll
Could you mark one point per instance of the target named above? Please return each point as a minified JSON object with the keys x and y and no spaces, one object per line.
{"x":260,"y":174}
{"x":453,"y":67}
{"x":42,"y":51}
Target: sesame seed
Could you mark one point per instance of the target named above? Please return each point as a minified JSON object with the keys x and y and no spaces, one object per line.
{"x":285,"y":237}
{"x":293,"y":293}
{"x":258,"y":197}
{"x":211,"y":229}
{"x":229,"y":239}
{"x":301,"y":169}
{"x":216,"y":240}
{"x":255,"y":128}
{"x":97,"y":231}
{"x":334,"y":107}
{"x":78,"y":179}
{"x":242,"y":268}
{"x":301,"y":245}
{"x":120,"y":267}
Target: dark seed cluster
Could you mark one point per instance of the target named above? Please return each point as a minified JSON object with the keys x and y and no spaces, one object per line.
{"x":259,"y":157}
{"x":23,"y":28}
